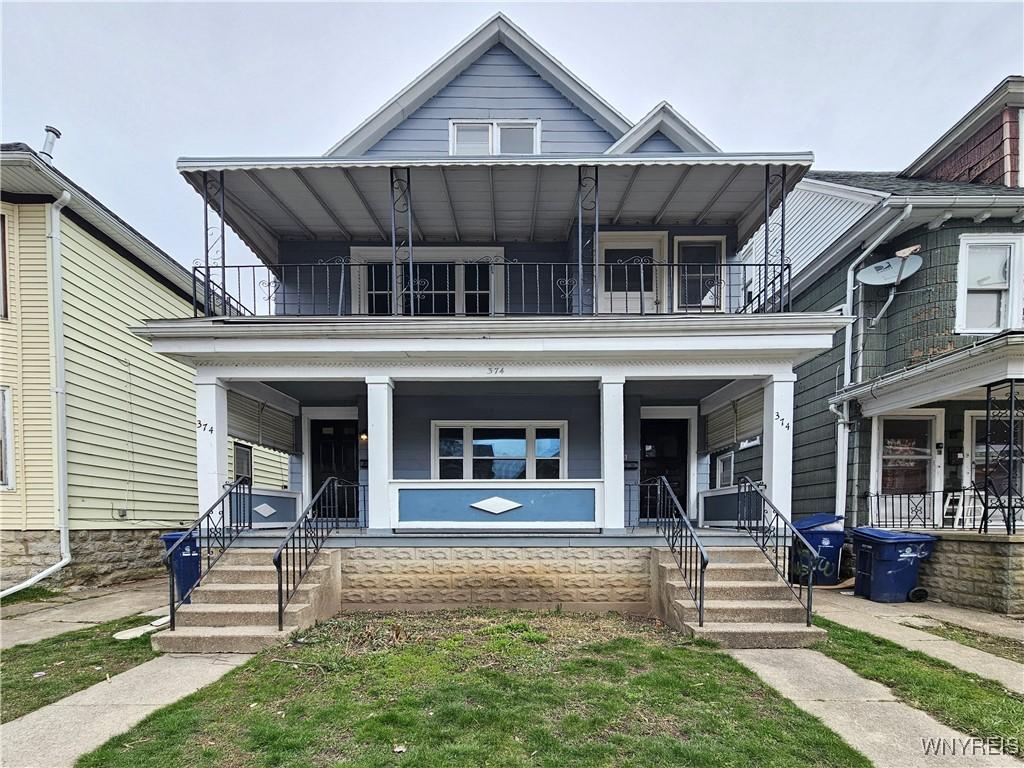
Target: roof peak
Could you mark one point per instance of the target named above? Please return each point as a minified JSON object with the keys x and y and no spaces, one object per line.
{"x":664,"y":119}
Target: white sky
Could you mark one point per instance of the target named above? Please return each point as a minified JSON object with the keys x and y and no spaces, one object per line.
{"x":865,"y":86}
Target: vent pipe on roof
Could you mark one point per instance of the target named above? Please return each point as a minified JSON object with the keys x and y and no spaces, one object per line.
{"x":52,"y":134}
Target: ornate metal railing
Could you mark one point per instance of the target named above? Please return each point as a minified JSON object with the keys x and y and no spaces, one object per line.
{"x":209,"y":537}
{"x":336,"y":504}
{"x":491,"y":287}
{"x":966,"y":509}
{"x":683,"y":542}
{"x":792,"y":556}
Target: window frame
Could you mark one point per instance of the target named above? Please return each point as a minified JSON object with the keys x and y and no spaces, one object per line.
{"x":937,"y":417}
{"x":731,"y":455}
{"x":236,"y":445}
{"x":4,"y":296}
{"x":494,"y":135}
{"x":7,"y":479}
{"x":1015,"y":291}
{"x":467,"y":427}
{"x":679,"y":240}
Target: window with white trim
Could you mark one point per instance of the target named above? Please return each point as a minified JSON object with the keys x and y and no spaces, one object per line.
{"x":990,"y":283}
{"x":243,"y":460}
{"x":500,"y":450}
{"x":724,"y":463}
{"x":494,"y":137}
{"x":6,"y":440}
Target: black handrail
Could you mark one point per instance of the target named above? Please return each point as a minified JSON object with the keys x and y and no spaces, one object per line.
{"x":211,"y":534}
{"x":683,"y":542}
{"x":783,"y":545}
{"x":303,"y":541}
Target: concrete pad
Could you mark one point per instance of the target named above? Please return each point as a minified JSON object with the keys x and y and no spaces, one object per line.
{"x":20,"y":609}
{"x":18,"y":631}
{"x":57,"y":735}
{"x":863,"y":713}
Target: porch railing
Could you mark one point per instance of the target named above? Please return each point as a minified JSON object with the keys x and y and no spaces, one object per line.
{"x":641,"y":502}
{"x":966,"y":509}
{"x":209,"y":537}
{"x":792,"y":556}
{"x":688,"y":552}
{"x":492,"y":288}
{"x":336,"y":504}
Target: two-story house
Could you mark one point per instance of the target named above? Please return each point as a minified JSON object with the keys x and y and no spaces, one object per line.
{"x":914,"y":417}
{"x":497,"y":314}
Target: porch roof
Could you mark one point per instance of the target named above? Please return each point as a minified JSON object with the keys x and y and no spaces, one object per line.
{"x":487,"y":199}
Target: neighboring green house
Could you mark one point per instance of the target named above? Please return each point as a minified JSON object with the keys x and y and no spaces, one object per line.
{"x":98,"y":439}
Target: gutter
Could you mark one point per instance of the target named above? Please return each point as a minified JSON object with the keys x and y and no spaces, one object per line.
{"x":57,"y":308}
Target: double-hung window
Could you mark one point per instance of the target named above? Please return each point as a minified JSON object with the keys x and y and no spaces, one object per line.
{"x":724,"y":469}
{"x":494,"y":137}
{"x":6,"y":440}
{"x":499,"y":451}
{"x":990,"y":283}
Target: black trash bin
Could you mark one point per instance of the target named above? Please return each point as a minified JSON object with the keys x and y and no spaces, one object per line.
{"x":824,"y":532}
{"x":184,"y":561}
{"x":888,"y":562}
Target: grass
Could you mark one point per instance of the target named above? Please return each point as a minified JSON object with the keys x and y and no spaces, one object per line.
{"x":1006,"y":647}
{"x":481,"y":688}
{"x":961,"y":700}
{"x":72,"y":662}
{"x":29,"y":594}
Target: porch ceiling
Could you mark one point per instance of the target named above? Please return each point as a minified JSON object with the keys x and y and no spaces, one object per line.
{"x":475,"y":200}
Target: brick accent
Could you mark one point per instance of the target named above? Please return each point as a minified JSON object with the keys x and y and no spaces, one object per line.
{"x":984,"y":571}
{"x":576,"y":578}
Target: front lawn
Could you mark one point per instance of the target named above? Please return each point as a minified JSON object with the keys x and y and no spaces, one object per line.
{"x":28,"y":595}
{"x":963,"y":701}
{"x":482,"y":688}
{"x":69,"y":663}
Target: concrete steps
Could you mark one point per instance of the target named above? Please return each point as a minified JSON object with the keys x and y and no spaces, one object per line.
{"x":759,"y":634}
{"x":242,"y":614}
{"x":220,"y":639}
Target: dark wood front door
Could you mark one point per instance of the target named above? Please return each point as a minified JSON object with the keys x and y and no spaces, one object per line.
{"x":664,"y":451}
{"x":334,"y":452}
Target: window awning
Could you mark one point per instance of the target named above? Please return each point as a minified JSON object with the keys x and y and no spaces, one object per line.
{"x":492,"y":199}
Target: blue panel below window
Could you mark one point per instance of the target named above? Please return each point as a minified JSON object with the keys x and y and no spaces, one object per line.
{"x":539,"y":505}
{"x":272,"y":508}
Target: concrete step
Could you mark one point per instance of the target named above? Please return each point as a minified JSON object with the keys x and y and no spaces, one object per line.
{"x":232,"y":573}
{"x":247,"y":593}
{"x":747,"y":590}
{"x":736,"y":555}
{"x":236,"y":556}
{"x":242,"y":615}
{"x":718,"y":572}
{"x":219,"y":639}
{"x":744,"y":611}
{"x":756,"y":635}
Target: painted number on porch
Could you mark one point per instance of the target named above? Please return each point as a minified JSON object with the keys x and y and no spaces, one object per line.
{"x":782,"y":421}
{"x":203,"y":426}
{"x":496,"y":371}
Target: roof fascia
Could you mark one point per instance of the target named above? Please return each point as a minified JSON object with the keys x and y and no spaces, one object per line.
{"x":665,"y":119}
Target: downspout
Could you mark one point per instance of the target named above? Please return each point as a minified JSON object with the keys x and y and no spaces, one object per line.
{"x":57,"y":308}
{"x":843,"y":416}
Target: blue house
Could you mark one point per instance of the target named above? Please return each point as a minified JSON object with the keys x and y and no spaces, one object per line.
{"x":498,"y":324}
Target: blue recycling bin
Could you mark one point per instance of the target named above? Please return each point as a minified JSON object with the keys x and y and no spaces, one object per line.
{"x":888,"y":563}
{"x":184,"y":561}
{"x":825,"y":533}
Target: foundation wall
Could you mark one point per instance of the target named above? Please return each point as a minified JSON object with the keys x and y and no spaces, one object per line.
{"x":972,"y":570}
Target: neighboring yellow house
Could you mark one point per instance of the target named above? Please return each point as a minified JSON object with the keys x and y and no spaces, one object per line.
{"x":97,"y":432}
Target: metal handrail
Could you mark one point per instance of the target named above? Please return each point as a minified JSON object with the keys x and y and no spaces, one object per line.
{"x":303,"y":542}
{"x":688,"y":552}
{"x":778,"y":539}
{"x":218,"y":526}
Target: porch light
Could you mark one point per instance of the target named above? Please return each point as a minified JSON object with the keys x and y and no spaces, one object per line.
{"x":363,"y":437}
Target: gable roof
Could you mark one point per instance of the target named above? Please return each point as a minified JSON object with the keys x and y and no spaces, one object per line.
{"x":499,"y":29}
{"x":665,"y":120}
{"x":894,"y":183}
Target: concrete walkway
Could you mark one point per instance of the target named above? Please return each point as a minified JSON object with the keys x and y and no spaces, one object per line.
{"x":58,"y":734}
{"x":31,"y":622}
{"x":864,"y":713}
{"x":883,"y":620}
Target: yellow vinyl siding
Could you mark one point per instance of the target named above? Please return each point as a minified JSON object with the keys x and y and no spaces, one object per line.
{"x":130,"y":412}
{"x":27,"y":370}
{"x":269,"y":467}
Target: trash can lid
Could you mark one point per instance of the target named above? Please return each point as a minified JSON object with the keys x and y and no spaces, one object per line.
{"x":894,"y":537}
{"x":816,"y":521}
{"x":172,"y":535}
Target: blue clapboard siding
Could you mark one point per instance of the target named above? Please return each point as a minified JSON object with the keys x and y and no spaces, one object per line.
{"x":657,"y":144}
{"x":547,"y":505}
{"x":498,"y":85}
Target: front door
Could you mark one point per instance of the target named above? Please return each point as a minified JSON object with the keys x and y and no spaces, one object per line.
{"x":663,"y":452}
{"x":628,"y":281}
{"x":909,"y":479}
{"x":334,"y":452}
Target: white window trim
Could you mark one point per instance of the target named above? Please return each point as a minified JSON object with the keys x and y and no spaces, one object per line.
{"x":938,"y":418}
{"x":494,"y":133}
{"x":427,"y":254}
{"x":718,"y":470}
{"x":531,"y":428}
{"x":1015,"y":301}
{"x":722,"y":240}
{"x":235,"y":445}
{"x":7,"y":455}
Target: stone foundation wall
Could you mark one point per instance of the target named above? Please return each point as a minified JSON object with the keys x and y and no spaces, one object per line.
{"x":976,"y":570}
{"x":573,"y":578}
{"x":97,"y":557}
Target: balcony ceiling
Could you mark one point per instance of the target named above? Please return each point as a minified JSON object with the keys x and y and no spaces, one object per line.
{"x":482,"y":200}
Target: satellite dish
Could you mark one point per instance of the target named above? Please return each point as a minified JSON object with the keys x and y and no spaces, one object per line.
{"x":890,"y":271}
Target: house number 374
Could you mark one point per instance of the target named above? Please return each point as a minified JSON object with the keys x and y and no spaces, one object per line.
{"x":785,"y":424}
{"x":496,"y":371}
{"x":204,"y":426}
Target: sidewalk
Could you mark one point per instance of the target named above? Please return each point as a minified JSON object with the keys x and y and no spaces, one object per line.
{"x":882,"y":620}
{"x":58,"y":734}
{"x":31,"y":622}
{"x":865,"y":714}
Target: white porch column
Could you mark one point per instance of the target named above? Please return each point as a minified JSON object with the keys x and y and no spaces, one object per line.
{"x":613,"y":451}
{"x":211,"y":442}
{"x":777,"y":455}
{"x":380,"y":431}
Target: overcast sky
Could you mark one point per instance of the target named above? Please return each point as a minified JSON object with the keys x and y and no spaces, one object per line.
{"x":865,"y":86}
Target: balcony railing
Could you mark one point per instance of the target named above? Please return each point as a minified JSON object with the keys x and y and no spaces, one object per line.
{"x":489,"y":289}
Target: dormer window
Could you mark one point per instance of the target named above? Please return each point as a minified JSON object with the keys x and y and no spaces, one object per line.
{"x":494,"y":137}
